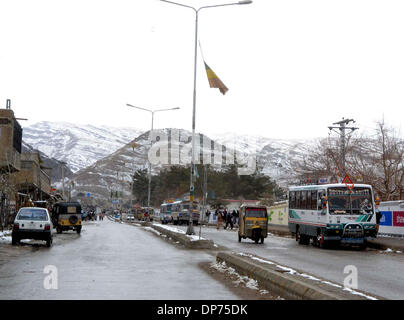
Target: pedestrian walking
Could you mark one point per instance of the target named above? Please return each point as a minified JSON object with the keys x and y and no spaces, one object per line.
{"x":234,"y":216}
{"x":207,"y":215}
{"x":219,"y":219}
{"x":229,"y":220}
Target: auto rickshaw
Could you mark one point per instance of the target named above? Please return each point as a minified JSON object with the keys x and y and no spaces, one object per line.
{"x":66,"y":216}
{"x":253,"y":223}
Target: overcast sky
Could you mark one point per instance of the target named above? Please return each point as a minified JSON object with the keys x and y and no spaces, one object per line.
{"x":293,"y":67}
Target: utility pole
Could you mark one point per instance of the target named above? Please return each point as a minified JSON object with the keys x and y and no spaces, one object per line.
{"x":63,"y":179}
{"x":342,"y":127}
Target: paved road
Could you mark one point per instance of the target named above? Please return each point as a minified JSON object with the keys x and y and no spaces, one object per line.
{"x":378,"y":273}
{"x":109,"y":261}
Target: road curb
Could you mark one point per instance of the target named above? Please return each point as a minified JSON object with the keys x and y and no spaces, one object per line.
{"x":288,"y":286}
{"x":183,"y":239}
{"x":378,"y":244}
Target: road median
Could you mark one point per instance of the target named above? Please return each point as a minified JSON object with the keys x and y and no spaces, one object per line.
{"x":287,"y":282}
{"x":191,"y":242}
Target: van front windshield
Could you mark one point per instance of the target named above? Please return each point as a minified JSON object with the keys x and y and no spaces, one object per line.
{"x":256,"y":212}
{"x":343,"y":201}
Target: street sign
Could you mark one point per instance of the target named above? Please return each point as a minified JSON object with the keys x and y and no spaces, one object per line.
{"x":323,"y":180}
{"x":348,"y":182}
{"x":88,"y":194}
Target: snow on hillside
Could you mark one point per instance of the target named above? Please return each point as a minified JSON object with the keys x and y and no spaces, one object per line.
{"x":102,"y":158}
{"x":78,"y":145}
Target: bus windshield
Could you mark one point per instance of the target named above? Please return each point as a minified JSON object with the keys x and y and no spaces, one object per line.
{"x":343,"y":201}
{"x":256,"y":212}
{"x":186,"y":207}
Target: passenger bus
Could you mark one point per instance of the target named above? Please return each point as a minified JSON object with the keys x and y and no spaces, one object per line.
{"x":332,"y":214}
{"x":165,"y":212}
{"x":180,"y":212}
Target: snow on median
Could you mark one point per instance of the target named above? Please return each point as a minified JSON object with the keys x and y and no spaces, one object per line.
{"x":173,"y":229}
{"x":304,"y":275}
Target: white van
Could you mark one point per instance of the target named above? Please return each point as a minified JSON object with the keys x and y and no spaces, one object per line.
{"x":32,"y":223}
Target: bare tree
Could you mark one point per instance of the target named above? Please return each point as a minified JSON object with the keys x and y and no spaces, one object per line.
{"x":377,"y":160}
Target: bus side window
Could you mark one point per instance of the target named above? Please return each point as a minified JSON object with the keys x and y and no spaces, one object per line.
{"x":298,"y":197}
{"x":308,"y":200}
{"x":292,"y":199}
{"x":314,"y":200}
{"x":303,"y":200}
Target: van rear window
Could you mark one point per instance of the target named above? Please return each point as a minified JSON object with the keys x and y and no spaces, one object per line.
{"x":30,"y":214}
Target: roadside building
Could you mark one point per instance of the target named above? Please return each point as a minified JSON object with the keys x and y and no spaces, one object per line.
{"x":10,"y":141}
{"x":33,"y":181}
{"x":10,"y":154}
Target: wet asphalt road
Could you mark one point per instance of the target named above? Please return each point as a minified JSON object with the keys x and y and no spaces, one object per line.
{"x":109,"y":261}
{"x":378,"y":273}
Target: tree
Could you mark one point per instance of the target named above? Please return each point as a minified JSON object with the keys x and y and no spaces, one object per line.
{"x":140,"y":186}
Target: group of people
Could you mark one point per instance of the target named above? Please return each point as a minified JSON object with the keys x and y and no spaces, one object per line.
{"x":227,"y":218}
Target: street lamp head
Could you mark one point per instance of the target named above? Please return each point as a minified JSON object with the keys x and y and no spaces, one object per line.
{"x":245,"y":2}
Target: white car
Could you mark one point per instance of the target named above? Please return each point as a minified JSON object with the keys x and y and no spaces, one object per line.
{"x":32,"y":223}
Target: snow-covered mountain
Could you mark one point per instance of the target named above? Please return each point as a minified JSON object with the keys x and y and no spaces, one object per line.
{"x":103,"y":158}
{"x":77,"y":145}
{"x":276,"y":158}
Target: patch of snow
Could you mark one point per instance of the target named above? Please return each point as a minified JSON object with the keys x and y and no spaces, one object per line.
{"x":359,"y":293}
{"x":173,"y":229}
{"x":294,"y":272}
{"x":152,"y":230}
{"x":248,"y":282}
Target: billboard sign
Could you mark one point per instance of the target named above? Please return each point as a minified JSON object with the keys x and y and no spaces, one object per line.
{"x":387,"y":218}
{"x":398,"y":218}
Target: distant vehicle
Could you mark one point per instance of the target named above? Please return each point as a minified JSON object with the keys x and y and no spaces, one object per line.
{"x":32,"y":223}
{"x":130,"y":217}
{"x":332,"y":214}
{"x":141,"y":213}
{"x":165,"y":213}
{"x":67,"y":216}
{"x":180,"y":212}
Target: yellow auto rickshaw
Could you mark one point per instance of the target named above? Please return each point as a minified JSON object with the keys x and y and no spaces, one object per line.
{"x":253,"y":223}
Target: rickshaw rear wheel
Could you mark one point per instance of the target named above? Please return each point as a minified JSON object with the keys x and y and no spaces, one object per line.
{"x":239,"y":238}
{"x":58,"y":229}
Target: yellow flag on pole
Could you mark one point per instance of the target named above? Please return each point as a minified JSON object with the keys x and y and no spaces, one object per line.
{"x":214,"y":80}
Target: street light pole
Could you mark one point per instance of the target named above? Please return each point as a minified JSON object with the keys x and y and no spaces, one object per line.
{"x":190,"y":229}
{"x":151,"y":144}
